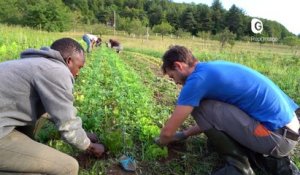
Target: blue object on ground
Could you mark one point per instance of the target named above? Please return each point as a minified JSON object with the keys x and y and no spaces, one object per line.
{"x":127,"y":163}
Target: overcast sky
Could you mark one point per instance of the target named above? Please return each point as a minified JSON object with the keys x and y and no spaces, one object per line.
{"x":286,"y":12}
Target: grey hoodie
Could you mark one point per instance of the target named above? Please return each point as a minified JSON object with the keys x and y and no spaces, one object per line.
{"x":39,"y":82}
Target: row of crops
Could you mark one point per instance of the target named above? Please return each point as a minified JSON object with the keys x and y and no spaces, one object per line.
{"x":119,"y":104}
{"x":114,"y":103}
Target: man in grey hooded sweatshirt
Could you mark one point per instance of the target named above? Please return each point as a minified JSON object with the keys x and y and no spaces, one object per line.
{"x":41,"y":81}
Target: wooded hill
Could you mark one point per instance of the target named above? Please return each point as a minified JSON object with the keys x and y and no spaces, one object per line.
{"x":134,"y":16}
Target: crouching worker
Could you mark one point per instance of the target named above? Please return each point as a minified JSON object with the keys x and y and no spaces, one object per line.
{"x":91,"y":41}
{"x":115,"y":45}
{"x":41,"y":81}
{"x":237,"y":108}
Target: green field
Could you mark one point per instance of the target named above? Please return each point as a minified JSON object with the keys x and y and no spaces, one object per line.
{"x":124,"y":98}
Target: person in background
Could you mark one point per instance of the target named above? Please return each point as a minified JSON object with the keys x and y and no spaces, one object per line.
{"x":115,"y":45}
{"x":41,"y":81}
{"x":91,"y":41}
{"x":239,"y":110}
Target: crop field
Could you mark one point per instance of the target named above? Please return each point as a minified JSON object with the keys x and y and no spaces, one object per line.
{"x":125,"y":99}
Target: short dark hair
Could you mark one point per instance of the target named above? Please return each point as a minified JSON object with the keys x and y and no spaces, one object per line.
{"x":66,"y":47}
{"x":177,"y":53}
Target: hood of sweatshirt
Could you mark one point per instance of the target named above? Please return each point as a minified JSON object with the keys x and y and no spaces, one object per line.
{"x":45,"y":52}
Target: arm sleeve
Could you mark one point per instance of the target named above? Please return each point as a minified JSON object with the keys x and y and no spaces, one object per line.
{"x":55,"y":91}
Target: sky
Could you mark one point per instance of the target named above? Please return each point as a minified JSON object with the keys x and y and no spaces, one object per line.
{"x":286,"y":12}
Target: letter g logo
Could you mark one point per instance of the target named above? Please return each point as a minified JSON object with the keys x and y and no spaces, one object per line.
{"x":256,"y":26}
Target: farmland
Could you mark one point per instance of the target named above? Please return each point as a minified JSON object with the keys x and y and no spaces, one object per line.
{"x":124,"y":98}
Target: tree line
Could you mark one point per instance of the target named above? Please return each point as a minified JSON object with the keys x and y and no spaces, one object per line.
{"x":138,"y":17}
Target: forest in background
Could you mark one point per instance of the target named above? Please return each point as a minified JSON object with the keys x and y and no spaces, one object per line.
{"x":139,"y":17}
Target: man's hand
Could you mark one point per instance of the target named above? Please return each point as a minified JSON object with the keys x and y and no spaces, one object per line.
{"x":92,"y":137}
{"x":96,"y":149}
{"x":157,"y":142}
{"x":179,"y":136}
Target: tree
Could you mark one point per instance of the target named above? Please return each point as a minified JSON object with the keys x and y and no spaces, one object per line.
{"x":226,"y":37}
{"x":188,"y":21}
{"x":104,"y":15}
{"x":155,"y":15}
{"x":173,"y":15}
{"x":217,"y":17}
{"x":203,"y":18}
{"x":88,"y":15}
{"x":132,"y":26}
{"x":163,"y":28}
{"x":291,"y":41}
{"x":133,"y":13}
{"x":11,"y":11}
{"x":137,"y":4}
{"x":234,"y":21}
{"x":48,"y":15}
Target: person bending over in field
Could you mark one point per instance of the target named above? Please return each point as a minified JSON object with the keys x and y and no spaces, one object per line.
{"x":41,"y":81}
{"x":115,"y":45}
{"x":91,"y":41}
{"x":243,"y":113}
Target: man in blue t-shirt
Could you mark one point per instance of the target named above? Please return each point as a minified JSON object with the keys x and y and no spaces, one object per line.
{"x":237,"y":108}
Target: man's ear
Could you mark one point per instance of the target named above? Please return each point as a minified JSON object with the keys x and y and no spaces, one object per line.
{"x":178,"y":65}
{"x":68,"y":60}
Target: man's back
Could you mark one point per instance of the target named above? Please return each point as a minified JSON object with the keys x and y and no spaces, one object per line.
{"x":240,"y":86}
{"x":20,"y":102}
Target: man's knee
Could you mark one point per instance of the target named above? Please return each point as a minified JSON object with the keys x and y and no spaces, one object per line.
{"x":72,"y":166}
{"x":65,"y":165}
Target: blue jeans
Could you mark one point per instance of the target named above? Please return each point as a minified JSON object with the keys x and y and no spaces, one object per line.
{"x":88,"y":42}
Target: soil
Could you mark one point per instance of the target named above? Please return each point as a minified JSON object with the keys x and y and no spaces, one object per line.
{"x":85,"y":160}
{"x":117,"y":170}
{"x":175,"y":151}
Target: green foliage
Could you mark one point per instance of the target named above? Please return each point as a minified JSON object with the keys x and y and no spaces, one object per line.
{"x":48,"y":15}
{"x":226,"y":37}
{"x":291,"y":41}
{"x":203,"y":17}
{"x":16,"y":39}
{"x":188,"y":21}
{"x":11,"y":12}
{"x":116,"y":141}
{"x":218,"y":15}
{"x":62,"y":146}
{"x":155,"y":14}
{"x":62,"y":15}
{"x":48,"y":132}
{"x":163,"y":28}
{"x":132,"y":26}
{"x":154,"y":152}
{"x":117,"y":98}
{"x":234,"y":21}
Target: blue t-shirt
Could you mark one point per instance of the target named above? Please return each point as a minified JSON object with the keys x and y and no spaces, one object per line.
{"x":241,"y":86}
